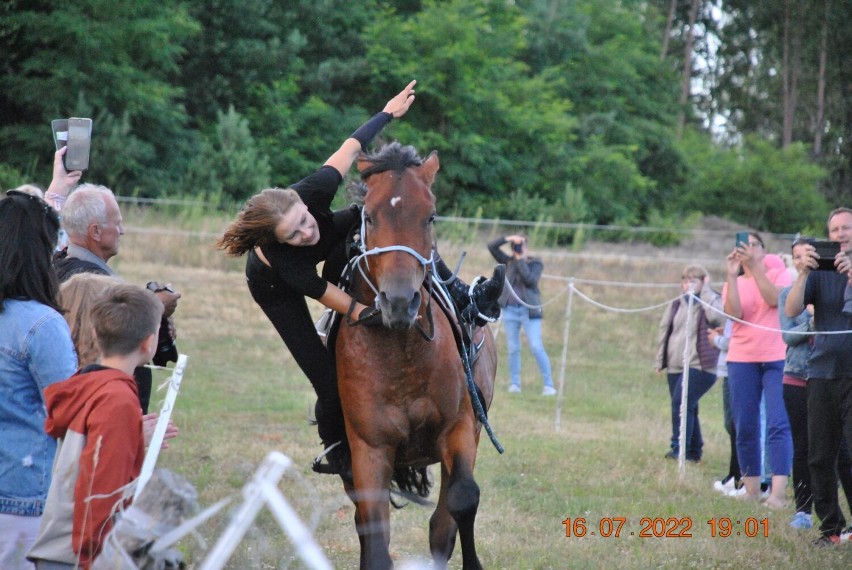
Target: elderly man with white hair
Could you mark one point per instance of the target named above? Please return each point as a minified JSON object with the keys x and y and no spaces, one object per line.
{"x":92,"y":220}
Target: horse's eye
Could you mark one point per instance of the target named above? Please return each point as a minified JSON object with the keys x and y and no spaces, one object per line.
{"x":432,"y":219}
{"x":368,"y":219}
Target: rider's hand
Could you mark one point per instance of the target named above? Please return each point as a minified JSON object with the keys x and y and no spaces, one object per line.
{"x":403,"y":100}
{"x":370,"y":317}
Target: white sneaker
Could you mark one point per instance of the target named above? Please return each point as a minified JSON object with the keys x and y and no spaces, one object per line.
{"x":725,"y":485}
{"x":514,"y":389}
{"x":736,"y":492}
{"x":548,"y":391}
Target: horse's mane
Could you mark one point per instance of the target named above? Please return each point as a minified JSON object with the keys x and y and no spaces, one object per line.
{"x":392,"y":156}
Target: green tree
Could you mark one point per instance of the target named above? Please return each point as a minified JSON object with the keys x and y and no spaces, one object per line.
{"x":782,"y":73}
{"x":624,"y":98}
{"x":231,"y":166}
{"x":498,"y":127}
{"x":97,"y":58}
{"x":754,"y":183}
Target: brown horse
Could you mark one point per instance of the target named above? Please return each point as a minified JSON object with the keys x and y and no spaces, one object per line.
{"x":402,"y":385}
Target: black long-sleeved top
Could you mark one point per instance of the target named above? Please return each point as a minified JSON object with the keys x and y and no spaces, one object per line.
{"x":296,"y":266}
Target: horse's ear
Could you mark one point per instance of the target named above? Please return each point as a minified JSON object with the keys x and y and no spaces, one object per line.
{"x":429,"y":168}
{"x":363,"y":162}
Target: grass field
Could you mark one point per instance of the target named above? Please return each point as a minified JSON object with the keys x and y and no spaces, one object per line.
{"x":243,"y":396}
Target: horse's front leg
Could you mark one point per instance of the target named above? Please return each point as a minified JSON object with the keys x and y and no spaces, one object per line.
{"x":442,"y":526}
{"x":459,"y":499}
{"x":372,"y":470}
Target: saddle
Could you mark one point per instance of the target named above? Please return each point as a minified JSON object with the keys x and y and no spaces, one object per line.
{"x":468,"y":342}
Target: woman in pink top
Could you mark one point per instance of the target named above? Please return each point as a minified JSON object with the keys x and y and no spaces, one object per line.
{"x":756,"y":365}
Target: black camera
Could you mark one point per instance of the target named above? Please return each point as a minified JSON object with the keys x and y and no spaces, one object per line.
{"x":827,"y":250}
{"x":518,"y":247}
{"x":166,"y":349}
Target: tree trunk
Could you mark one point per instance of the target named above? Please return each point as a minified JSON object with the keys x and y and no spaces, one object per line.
{"x":785,"y":72}
{"x":820,"y":98}
{"x":687,"y":66}
{"x":667,"y":35}
{"x":797,"y":65}
{"x":792,"y":46}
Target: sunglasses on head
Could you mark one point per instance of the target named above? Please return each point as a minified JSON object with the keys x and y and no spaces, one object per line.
{"x":46,"y":208}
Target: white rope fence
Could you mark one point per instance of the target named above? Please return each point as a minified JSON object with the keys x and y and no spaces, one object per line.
{"x":572,"y":289}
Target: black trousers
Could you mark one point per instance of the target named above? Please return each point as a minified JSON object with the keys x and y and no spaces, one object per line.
{"x":829,"y":421}
{"x":288,"y":312}
{"x":730,"y":427}
{"x":796,"y":402}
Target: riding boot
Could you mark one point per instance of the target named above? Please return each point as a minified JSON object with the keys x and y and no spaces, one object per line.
{"x":482,"y":305}
{"x":332,"y":432}
{"x":485,"y":298}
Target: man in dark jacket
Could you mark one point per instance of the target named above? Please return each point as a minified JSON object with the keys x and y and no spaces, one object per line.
{"x":93,"y":222}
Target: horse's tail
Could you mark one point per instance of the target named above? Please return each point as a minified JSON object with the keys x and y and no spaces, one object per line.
{"x":412,"y":484}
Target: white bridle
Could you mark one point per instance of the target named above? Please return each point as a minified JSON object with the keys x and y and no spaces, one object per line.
{"x":365,"y":253}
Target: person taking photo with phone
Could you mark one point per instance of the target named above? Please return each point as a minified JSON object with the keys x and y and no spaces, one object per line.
{"x":756,"y":357}
{"x":521,"y":302}
{"x":94,"y":224}
{"x":829,"y":369}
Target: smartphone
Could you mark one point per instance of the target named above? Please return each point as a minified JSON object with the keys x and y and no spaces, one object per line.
{"x":60,"y":132}
{"x":742,"y":239}
{"x":826,"y":250}
{"x":79,"y":143}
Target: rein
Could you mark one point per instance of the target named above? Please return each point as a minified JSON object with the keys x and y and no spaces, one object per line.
{"x":468,"y":372}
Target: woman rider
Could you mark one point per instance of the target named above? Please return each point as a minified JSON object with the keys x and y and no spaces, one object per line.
{"x":286,"y":233}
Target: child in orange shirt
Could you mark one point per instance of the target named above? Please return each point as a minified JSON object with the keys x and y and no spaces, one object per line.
{"x":97,"y":419}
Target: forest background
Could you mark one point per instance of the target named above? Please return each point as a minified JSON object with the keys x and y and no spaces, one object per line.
{"x":626,"y":113}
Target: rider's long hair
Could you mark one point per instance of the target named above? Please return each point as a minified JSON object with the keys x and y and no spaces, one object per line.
{"x":256,"y":222}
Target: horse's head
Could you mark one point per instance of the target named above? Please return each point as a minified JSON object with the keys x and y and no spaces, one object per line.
{"x":399,"y":210}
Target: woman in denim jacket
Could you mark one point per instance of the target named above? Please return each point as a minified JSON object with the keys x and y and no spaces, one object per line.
{"x":35,"y":351}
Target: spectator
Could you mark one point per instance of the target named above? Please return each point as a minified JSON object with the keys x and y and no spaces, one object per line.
{"x":756,"y":366}
{"x":701,"y":355}
{"x":829,"y":370}
{"x":31,"y":189}
{"x":95,"y":416}
{"x":796,"y":397}
{"x":94,"y":224}
{"x":62,"y":183}
{"x":521,"y":303}
{"x":731,"y":484}
{"x":286,"y":233}
{"x":77,"y":297}
{"x":35,"y":352}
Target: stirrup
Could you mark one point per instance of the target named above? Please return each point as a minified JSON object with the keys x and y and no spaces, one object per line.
{"x":326,"y":468}
{"x":323,"y":325}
